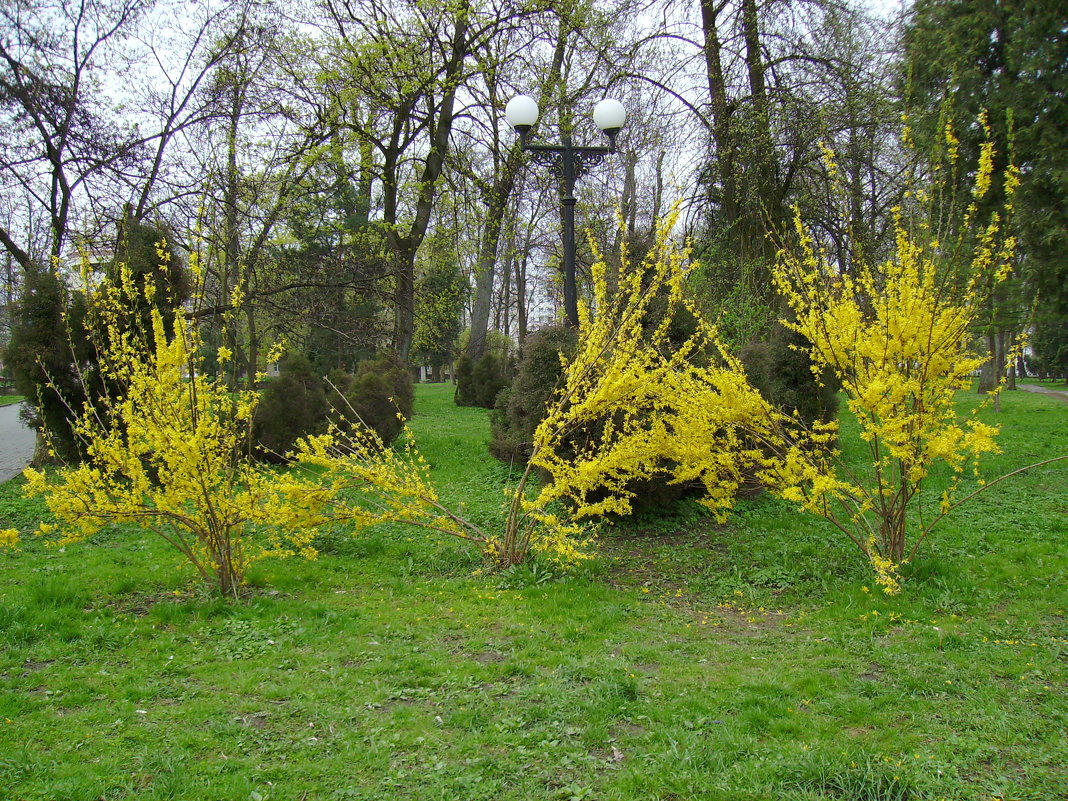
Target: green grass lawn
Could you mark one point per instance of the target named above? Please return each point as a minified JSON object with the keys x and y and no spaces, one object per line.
{"x":690,"y":661}
{"x":11,"y":400}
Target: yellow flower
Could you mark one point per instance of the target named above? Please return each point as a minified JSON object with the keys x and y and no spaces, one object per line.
{"x":9,"y":539}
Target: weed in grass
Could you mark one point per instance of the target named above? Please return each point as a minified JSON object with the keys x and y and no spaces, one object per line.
{"x":856,"y":777}
{"x":531,"y":573}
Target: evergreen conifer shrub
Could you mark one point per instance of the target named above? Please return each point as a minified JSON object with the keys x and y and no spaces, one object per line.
{"x":520,"y":408}
{"x":781,"y":370}
{"x":46,"y":356}
{"x":381,"y":389}
{"x":479,"y":383}
{"x":292,"y":406}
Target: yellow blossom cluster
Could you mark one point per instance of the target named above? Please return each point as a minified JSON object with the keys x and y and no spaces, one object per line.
{"x":165,"y":451}
{"x":9,"y":539}
{"x":634,"y":405}
{"x":899,"y":337}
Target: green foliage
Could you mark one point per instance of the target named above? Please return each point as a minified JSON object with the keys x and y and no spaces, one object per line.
{"x":520,"y":408}
{"x":484,"y":390}
{"x":146,"y":252}
{"x":1007,"y":60}
{"x":781,"y":370}
{"x":344,"y":333}
{"x":381,"y":389}
{"x":300,"y":403}
{"x":47,"y":350}
{"x":1050,"y":344}
{"x":730,"y":292}
{"x":726,"y":290}
{"x":463,"y":391}
{"x":292,"y":406}
{"x":337,"y":266}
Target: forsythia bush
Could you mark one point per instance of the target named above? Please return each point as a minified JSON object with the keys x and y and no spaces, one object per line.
{"x":658,"y":407}
{"x":900,"y":337}
{"x":167,"y":453}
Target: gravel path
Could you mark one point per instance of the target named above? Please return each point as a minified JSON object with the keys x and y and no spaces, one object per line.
{"x":1041,"y":390}
{"x":16,"y":442}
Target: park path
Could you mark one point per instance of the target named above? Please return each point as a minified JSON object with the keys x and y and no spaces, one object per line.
{"x":16,"y":442}
{"x":1044,"y":391}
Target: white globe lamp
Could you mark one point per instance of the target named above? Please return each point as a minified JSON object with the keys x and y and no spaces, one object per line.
{"x":521,"y":113}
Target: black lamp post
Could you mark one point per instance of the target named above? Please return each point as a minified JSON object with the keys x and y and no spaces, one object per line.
{"x":569,"y":163}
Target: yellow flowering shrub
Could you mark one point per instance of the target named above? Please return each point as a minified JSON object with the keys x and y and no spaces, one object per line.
{"x":899,"y":337}
{"x":166,"y":451}
{"x":631,"y":404}
{"x":655,"y":407}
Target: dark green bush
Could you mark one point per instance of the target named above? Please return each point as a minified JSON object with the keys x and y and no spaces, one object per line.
{"x":381,"y":389}
{"x":480,"y":383}
{"x":462,"y":395}
{"x":291,"y":406}
{"x":488,"y":377}
{"x":782,"y":373}
{"x":48,"y":354}
{"x":521,"y":407}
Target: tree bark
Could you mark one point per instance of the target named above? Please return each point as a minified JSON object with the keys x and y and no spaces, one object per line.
{"x":489,"y":244}
{"x":408,"y":246}
{"x":721,"y":114}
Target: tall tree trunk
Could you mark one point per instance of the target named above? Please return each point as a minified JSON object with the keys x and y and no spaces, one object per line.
{"x":762,"y":193}
{"x":231,"y":250}
{"x":506,"y":295}
{"x":499,"y":194}
{"x":721,"y":115}
{"x":404,"y":303}
{"x":521,"y":296}
{"x":404,"y":293}
{"x":658,"y":191}
{"x":993,"y":370}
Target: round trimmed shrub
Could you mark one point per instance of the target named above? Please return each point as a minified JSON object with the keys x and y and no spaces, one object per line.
{"x":380,"y":389}
{"x":292,"y":406}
